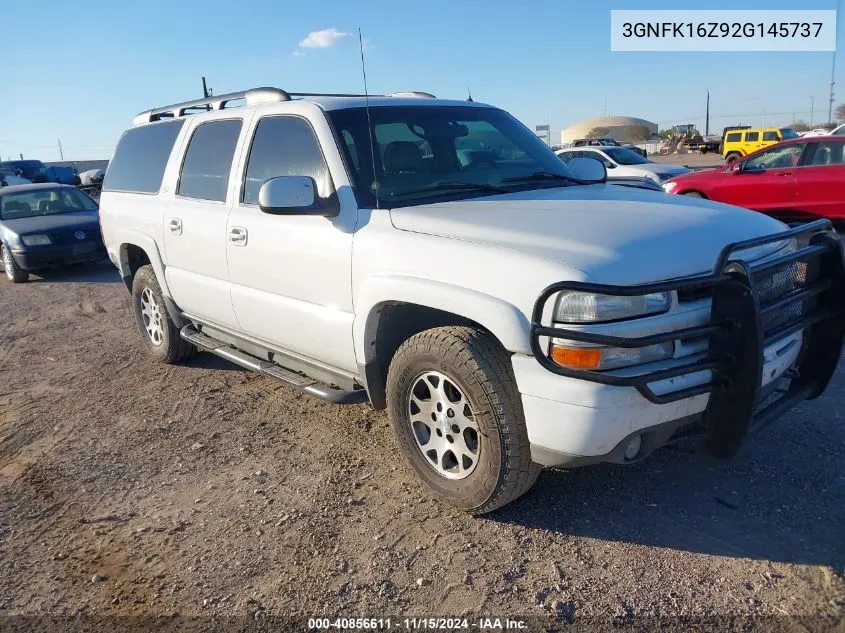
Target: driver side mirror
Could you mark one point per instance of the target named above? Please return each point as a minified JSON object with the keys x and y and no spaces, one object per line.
{"x":295,"y":195}
{"x":588,"y":170}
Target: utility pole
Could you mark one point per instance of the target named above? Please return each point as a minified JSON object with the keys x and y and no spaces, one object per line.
{"x":605,"y":105}
{"x":707,"y":119}
{"x":61,"y":153}
{"x":21,"y":155}
{"x":812,"y":100}
{"x":833,"y":66}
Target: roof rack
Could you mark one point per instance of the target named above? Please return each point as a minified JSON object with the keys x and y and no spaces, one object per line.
{"x":415,"y":94}
{"x":216,"y":102}
{"x":252,"y":97}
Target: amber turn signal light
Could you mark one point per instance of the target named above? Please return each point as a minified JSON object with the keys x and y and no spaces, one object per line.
{"x":576,"y":357}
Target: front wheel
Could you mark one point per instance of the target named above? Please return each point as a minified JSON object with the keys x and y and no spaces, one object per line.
{"x":457,"y":417}
{"x":14,"y":273}
{"x":732,"y":157}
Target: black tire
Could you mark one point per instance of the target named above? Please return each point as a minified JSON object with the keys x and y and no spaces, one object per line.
{"x":170,"y":348}
{"x":478,"y":365}
{"x":14,"y":273}
{"x":732,"y":157}
{"x":693,"y":194}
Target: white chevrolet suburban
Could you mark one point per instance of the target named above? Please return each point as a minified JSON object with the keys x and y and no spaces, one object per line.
{"x":436,"y":259}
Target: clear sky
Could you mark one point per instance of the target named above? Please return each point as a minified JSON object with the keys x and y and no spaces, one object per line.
{"x":79,"y":71}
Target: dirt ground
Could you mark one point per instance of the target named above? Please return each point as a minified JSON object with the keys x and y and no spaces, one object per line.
{"x":135,"y":490}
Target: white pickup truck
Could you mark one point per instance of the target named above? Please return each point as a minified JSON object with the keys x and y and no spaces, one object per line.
{"x":436,"y":259}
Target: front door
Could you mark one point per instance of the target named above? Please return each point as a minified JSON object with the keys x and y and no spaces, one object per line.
{"x":195,"y":223}
{"x":765,"y":182}
{"x":291,"y":274}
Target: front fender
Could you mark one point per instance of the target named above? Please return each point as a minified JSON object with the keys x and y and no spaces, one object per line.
{"x":504,"y":320}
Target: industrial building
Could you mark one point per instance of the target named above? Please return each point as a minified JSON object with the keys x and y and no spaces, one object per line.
{"x":615,"y":127}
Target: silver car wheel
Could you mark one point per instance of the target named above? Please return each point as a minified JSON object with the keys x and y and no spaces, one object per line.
{"x":443,"y":425}
{"x":151,"y":314}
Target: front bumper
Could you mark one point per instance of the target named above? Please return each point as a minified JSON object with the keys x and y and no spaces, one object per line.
{"x":754,"y":313}
{"x":42,"y":257}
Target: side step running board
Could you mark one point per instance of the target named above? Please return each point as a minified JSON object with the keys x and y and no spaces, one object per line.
{"x":286,"y":376}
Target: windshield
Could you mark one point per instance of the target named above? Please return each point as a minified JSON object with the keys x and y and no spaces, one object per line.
{"x":625,"y":156}
{"x":788,"y":133}
{"x":433,"y":153}
{"x":30,"y":204}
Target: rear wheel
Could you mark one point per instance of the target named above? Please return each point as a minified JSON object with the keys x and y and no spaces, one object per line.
{"x":693,"y":194}
{"x":14,"y":273}
{"x":160,"y":334}
{"x":457,"y":416}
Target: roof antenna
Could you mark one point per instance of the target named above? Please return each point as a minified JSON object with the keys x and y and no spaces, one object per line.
{"x":469,"y":94}
{"x":370,"y":130}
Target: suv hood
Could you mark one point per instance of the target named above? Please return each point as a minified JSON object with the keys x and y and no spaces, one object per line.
{"x":611,"y":234}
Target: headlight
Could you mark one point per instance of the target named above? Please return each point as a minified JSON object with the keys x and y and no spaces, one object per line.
{"x":586,"y":307}
{"x":601,"y":358}
{"x":669,"y":186}
{"x":36,"y":240}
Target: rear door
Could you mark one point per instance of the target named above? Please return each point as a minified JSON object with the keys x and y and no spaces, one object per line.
{"x":751,"y":142}
{"x":195,"y":218}
{"x":820,"y":181}
{"x":766,"y":181}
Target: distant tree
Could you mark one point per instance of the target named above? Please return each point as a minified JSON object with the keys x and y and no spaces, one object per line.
{"x":665,"y":133}
{"x":840,"y":112}
{"x":637,"y":134}
{"x":598,"y":132}
{"x":800,"y":126}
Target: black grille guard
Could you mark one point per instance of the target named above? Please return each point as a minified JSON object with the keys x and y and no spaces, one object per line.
{"x":736,"y":331}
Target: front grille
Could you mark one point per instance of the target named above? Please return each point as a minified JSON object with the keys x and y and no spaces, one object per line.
{"x":69,"y":237}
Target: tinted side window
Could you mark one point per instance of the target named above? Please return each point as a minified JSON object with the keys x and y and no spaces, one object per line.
{"x":141,"y":156}
{"x":770,"y":136}
{"x":733,"y":138}
{"x":828,"y":153}
{"x":208,"y":160}
{"x":752,"y":137}
{"x":284,"y":146}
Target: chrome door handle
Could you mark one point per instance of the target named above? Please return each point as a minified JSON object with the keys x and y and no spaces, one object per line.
{"x":175,"y":225}
{"x":237,"y":235}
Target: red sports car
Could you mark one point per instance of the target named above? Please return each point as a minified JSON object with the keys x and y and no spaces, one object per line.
{"x":792,"y":180}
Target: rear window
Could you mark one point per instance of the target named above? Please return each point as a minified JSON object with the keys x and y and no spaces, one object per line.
{"x":733,"y":137}
{"x":141,"y":156}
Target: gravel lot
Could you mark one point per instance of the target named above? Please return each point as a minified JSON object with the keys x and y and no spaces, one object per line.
{"x":134,"y":489}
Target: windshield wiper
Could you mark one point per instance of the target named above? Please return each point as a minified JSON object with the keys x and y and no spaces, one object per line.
{"x":453,"y":185}
{"x":544,"y":175}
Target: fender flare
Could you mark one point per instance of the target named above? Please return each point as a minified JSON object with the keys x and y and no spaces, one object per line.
{"x":149,"y":246}
{"x":504,"y":320}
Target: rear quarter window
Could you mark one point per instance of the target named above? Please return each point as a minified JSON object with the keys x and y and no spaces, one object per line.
{"x":141,"y":157}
